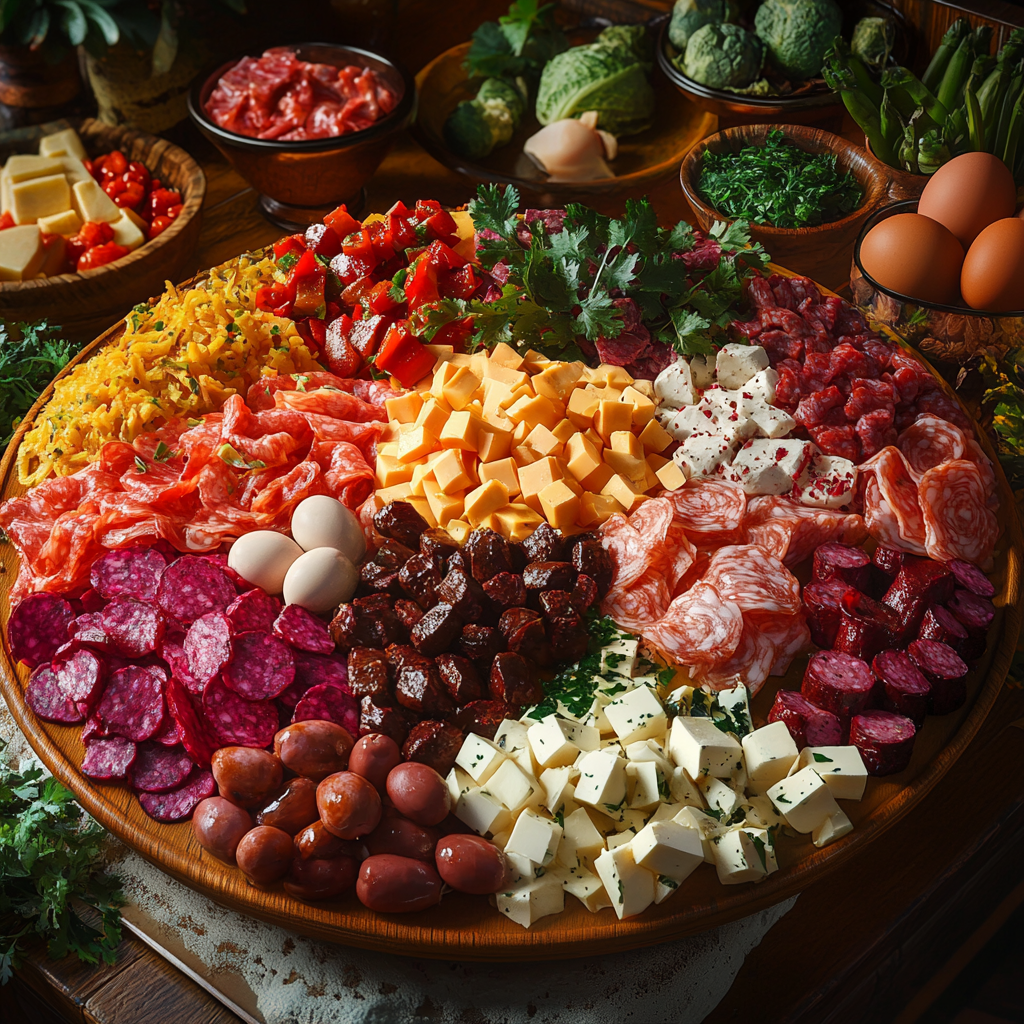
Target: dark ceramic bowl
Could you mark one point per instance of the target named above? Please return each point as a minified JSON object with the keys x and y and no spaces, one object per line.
{"x":300,"y":181}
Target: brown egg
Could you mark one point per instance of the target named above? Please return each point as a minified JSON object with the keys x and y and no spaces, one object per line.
{"x":915,"y":256}
{"x":968,"y":193}
{"x":993,"y":274}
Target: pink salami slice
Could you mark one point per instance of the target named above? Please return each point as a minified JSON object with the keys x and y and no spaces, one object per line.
{"x":699,"y":627}
{"x":958,"y":522}
{"x":177,"y":661}
{"x":108,"y":759}
{"x":749,"y":666}
{"x":221,"y":562}
{"x":626,"y":548}
{"x":169,"y":735}
{"x":313,"y":670}
{"x":92,"y":601}
{"x":44,"y":696}
{"x":38,"y":626}
{"x":941,"y":624}
{"x":976,"y":613}
{"x":87,"y":630}
{"x":132,"y":704}
{"x":159,"y":769}
{"x":208,"y":646}
{"x":898,"y":489}
{"x":885,"y":741}
{"x":192,"y":586}
{"x":905,"y":690}
{"x":304,"y":631}
{"x":930,"y":441}
{"x":92,"y":728}
{"x":197,"y":734}
{"x":710,"y":512}
{"x":643,"y":603}
{"x":971,"y":578}
{"x":135,"y":628}
{"x":753,"y":580}
{"x":261,"y":667}
{"x":237,"y":721}
{"x":839,"y":683}
{"x":330,"y":704}
{"x":129,"y":572}
{"x":789,"y":635}
{"x":253,"y":610}
{"x":80,"y":673}
{"x":809,"y":725}
{"x":178,"y":804}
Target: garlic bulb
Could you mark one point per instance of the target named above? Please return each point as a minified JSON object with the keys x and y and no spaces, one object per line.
{"x":573,"y":149}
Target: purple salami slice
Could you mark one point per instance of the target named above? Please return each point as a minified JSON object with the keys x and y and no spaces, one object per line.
{"x":260,"y":667}
{"x":135,"y":628}
{"x":331,"y":704}
{"x":885,"y":741}
{"x":80,"y":673}
{"x":301,"y":629}
{"x":87,"y":630}
{"x":941,"y":624}
{"x":253,"y":610}
{"x":159,"y":769}
{"x":169,"y":735}
{"x":92,"y":601}
{"x":312,"y":670}
{"x":38,"y":627}
{"x":177,"y":661}
{"x":174,"y":631}
{"x":842,"y":562}
{"x":132,"y":704}
{"x":976,"y":613}
{"x":905,"y":691}
{"x":866,"y":627}
{"x":108,"y":759}
{"x":192,"y":586}
{"x":197,"y":735}
{"x":221,"y":562}
{"x":208,"y":646}
{"x":237,"y":721}
{"x":945,"y":670}
{"x":839,"y":683}
{"x":919,"y":584}
{"x":887,"y":561}
{"x":92,"y":728}
{"x":178,"y":804}
{"x":809,"y":725}
{"x":129,"y":572}
{"x":44,"y":696}
{"x":971,"y":578}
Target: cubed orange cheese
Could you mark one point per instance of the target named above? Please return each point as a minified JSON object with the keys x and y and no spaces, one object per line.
{"x":610,"y":417}
{"x":537,"y":475}
{"x":609,"y":375}
{"x":460,"y":388}
{"x":655,"y":461}
{"x":582,"y":456}
{"x":398,"y":492}
{"x":390,"y":471}
{"x":524,"y":456}
{"x":643,"y":407}
{"x":506,"y":356}
{"x":650,"y":480}
{"x":497,"y":395}
{"x":654,"y":437}
{"x":484,"y":500}
{"x":451,"y":472}
{"x":560,"y":504}
{"x":542,"y":441}
{"x":534,"y":361}
{"x":461,"y":431}
{"x":419,"y":474}
{"x":405,"y":408}
{"x":415,"y":444}
{"x":523,"y":391}
{"x":670,"y":476}
{"x":444,"y":506}
{"x":519,"y":432}
{"x":505,"y":374}
{"x":582,"y":407}
{"x":625,"y":455}
{"x":504,"y":470}
{"x":459,"y":530}
{"x":433,"y":415}
{"x":564,"y":430}
{"x":440,"y":352}
{"x":532,"y":411}
{"x":389,"y":448}
{"x":422,"y":506}
{"x":623,"y":490}
{"x":444,"y":373}
{"x":557,"y":380}
{"x":492,"y":443}
{"x":391,"y":432}
{"x":518,"y":521}
{"x":596,"y":508}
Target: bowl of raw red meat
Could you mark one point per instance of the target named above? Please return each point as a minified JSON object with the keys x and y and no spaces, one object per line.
{"x":306,"y":125}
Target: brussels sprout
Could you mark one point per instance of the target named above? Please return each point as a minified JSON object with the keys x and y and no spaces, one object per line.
{"x":690,"y":15}
{"x":797,"y":33}
{"x":475,"y":127}
{"x":499,"y":89}
{"x":872,"y":41}
{"x":723,"y":56}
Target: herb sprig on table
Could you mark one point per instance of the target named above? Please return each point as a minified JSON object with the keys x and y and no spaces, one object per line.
{"x":49,"y":858}
{"x":778,"y":184}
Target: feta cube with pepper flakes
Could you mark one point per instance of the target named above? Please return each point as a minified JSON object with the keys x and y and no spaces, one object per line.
{"x":841,"y":768}
{"x":701,"y":748}
{"x":770,"y":753}
{"x":832,"y":828}
{"x":581,"y":841}
{"x":479,"y":758}
{"x":702,"y":371}
{"x":804,"y":800}
{"x":702,"y":456}
{"x":674,"y":385}
{"x":736,"y":364}
{"x":681,"y":423}
{"x":770,"y":420}
{"x":535,"y":836}
{"x":762,"y":386}
{"x":770,"y":467}
{"x":532,"y":900}
{"x":629,"y":886}
{"x":828,"y":482}
{"x":637,"y":715}
{"x":706,"y":826}
{"x":729,"y":412}
{"x":602,"y":781}
{"x":587,"y":888}
{"x":668,"y":848}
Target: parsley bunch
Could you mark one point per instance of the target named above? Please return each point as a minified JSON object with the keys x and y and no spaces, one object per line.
{"x":519,"y":43}
{"x":49,"y":856}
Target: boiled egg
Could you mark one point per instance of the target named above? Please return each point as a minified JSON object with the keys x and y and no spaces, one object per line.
{"x":993,"y":273}
{"x":968,"y":193}
{"x":320,"y":579}
{"x":323,"y":522}
{"x":915,"y":256}
{"x":263,"y":558}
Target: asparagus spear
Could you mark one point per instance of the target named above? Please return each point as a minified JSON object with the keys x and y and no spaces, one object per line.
{"x":1013,"y":133}
{"x":842,"y":80}
{"x":952,"y":86}
{"x":944,"y":53}
{"x":990,"y":98}
{"x":1013,"y":90}
{"x":910,"y":93}
{"x":845,"y":57}
{"x":891,"y":122}
{"x":975,"y":123}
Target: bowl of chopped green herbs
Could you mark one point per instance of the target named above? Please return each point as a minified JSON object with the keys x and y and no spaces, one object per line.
{"x":805,"y":193}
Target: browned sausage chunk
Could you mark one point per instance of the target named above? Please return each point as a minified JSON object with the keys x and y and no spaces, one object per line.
{"x":419,"y":578}
{"x":484,"y":716}
{"x":459,"y":677}
{"x":433,"y":743}
{"x":219,"y":825}
{"x":545,"y":544}
{"x":368,"y":672}
{"x":437,"y":630}
{"x":590,"y":557}
{"x":264,"y":854}
{"x":292,"y":809}
{"x":403,"y":837}
{"x":418,"y":684}
{"x":376,"y":717}
{"x":514,"y":681}
{"x":480,"y":643}
{"x":399,"y":520}
{"x":488,"y":553}
{"x":437,"y":542}
{"x":549,"y":576}
{"x":506,"y":590}
{"x":314,"y":842}
{"x":464,"y":594}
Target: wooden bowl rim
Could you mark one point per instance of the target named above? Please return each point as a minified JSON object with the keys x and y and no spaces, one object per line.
{"x":812,"y":140}
{"x":192,"y":205}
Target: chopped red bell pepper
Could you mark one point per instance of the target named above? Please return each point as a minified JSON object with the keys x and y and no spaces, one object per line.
{"x":6,"y":220}
{"x":421,"y":284}
{"x":138,"y":172}
{"x":115,"y":162}
{"x":401,"y":227}
{"x":275,"y":298}
{"x":458,"y":284}
{"x":342,"y":222}
{"x":381,"y":241}
{"x":444,"y":257}
{"x":309,"y":295}
{"x":90,"y":235}
{"x":323,"y":240}
{"x":359,"y":245}
{"x":455,"y":333}
{"x":379,"y":298}
{"x":100,"y":255}
{"x":158,"y":226}
{"x":442,"y":226}
{"x":290,"y":243}
{"x":403,"y":356}
{"x":314,"y":332}
{"x":161,"y":200}
{"x":350,"y":268}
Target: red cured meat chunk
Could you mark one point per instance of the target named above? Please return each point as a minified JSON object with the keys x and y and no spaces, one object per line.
{"x":80,"y":674}
{"x":44,"y":696}
{"x":868,"y":395}
{"x":261,"y":667}
{"x":87,"y":630}
{"x":841,"y":441}
{"x":813,"y":410}
{"x":159,"y":769}
{"x":37,"y":628}
{"x":839,"y":683}
{"x":865,"y":626}
{"x":108,"y":759}
{"x":699,"y":627}
{"x":177,"y":662}
{"x":919,"y":584}
{"x":91,"y":601}
{"x":135,"y":628}
{"x":207,"y":646}
{"x":128,"y":572}
{"x":331,"y":704}
{"x":971,"y":578}
{"x":905,"y":690}
{"x":301,"y":629}
{"x":253,"y":610}
{"x":941,"y":624}
{"x":132,"y":704}
{"x":958,"y":522}
{"x":197,"y":735}
{"x":945,"y":670}
{"x":885,"y":741}
{"x":178,"y":804}
{"x":312,"y":670}
{"x":887,"y":561}
{"x":822,"y":603}
{"x":976,"y":613}
{"x":237,"y":721}
{"x":169,"y":735}
{"x":809,"y":725}
{"x":875,"y":431}
{"x":192,"y":586}
{"x":842,"y":562}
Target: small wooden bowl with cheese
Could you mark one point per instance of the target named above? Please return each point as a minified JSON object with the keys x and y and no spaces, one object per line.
{"x":86,"y":303}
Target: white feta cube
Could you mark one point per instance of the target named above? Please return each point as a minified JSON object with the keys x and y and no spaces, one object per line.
{"x":704,"y":455}
{"x":765,"y":846}
{"x":511,"y":785}
{"x":551,"y":741}
{"x":581,"y":841}
{"x":602,"y":781}
{"x":559,"y":791}
{"x":737,"y":859}
{"x":535,"y":836}
{"x":769,"y":753}
{"x":483,"y":812}
{"x":620,"y":655}
{"x":633,"y":818}
{"x":479,"y":758}
{"x":617,"y":839}
{"x":665,"y":812}
{"x":702,"y":371}
{"x":531,"y":901}
{"x":522,"y":868}
{"x":674,"y":385}
{"x":682,"y":790}
{"x":737,"y":363}
{"x":828,"y":482}
{"x":629,"y":887}
{"x":699,"y":747}
{"x":458,"y":783}
{"x":587,"y":888}
{"x":649,"y":750}
{"x":730,"y":412}
{"x":770,"y":467}
{"x":841,"y":768}
{"x":733,"y":705}
{"x":637,"y":715}
{"x":512,"y":738}
{"x":761,"y":812}
{"x":832,"y":828}
{"x":762,"y":386}
{"x":770,"y":420}
{"x":803,"y":799}
{"x":718,"y":794}
{"x":664,"y":887}
{"x":707,"y":827}
{"x":668,"y":848}
{"x":644,"y":783}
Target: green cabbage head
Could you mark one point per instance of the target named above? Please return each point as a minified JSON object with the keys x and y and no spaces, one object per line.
{"x":797,"y":33}
{"x":723,"y":56}
{"x":690,"y":15}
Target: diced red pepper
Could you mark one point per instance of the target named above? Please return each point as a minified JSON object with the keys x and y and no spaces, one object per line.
{"x":131,"y":195}
{"x":360,"y":245}
{"x":381,"y":241}
{"x":421,"y":284}
{"x":309,"y":295}
{"x":458,"y":284}
{"x":455,"y":333}
{"x":91,"y":234}
{"x":401,"y":226}
{"x":357,"y":291}
{"x":444,"y":257}
{"x":100,"y":255}
{"x":276,"y":299}
{"x":426,"y":208}
{"x":114,"y":187}
{"x":115,"y":162}
{"x":403,"y":356}
{"x":314,"y":331}
{"x":323,"y":240}
{"x":138,"y":172}
{"x":350,"y":268}
{"x":379,"y":298}
{"x":6,"y":220}
{"x":365,"y":335}
{"x":158,"y":226}
{"x":161,"y":200}
{"x":333,"y":312}
{"x":290,"y":243}
{"x":175,"y":210}
{"x":342,"y":222}
{"x":442,"y":226}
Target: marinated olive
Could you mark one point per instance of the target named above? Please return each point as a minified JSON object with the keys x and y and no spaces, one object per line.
{"x":246,"y":776}
{"x":395,"y":885}
{"x":219,"y":825}
{"x":314,"y":842}
{"x":373,"y":756}
{"x":401,"y":836}
{"x":349,"y":805}
{"x":318,"y":879}
{"x":292,"y":808}
{"x":264,"y":854}
{"x":471,"y":864}
{"x":314,"y":748}
{"x":418,"y":792}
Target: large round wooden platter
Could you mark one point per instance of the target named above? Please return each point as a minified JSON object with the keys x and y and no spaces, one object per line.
{"x":464,"y":927}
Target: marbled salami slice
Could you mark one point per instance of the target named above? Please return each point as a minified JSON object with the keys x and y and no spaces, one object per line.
{"x":627,"y":549}
{"x":971,"y":578}
{"x":640,"y":604}
{"x":941,"y":624}
{"x":749,"y":666}
{"x":313,"y":670}
{"x":207,"y":646}
{"x":929,"y":442}
{"x":178,"y":804}
{"x":793,"y":532}
{"x":134,"y":628}
{"x":753,"y":580}
{"x":789,"y":635}
{"x":87,"y":630}
{"x":132,"y":704}
{"x":197,"y":735}
{"x":976,"y":613}
{"x":905,"y":691}
{"x":958,"y":521}
{"x":177,"y":661}
{"x":302,"y":630}
{"x":47,"y":699}
{"x":128,"y":572}
{"x":37,"y":627}
{"x":710,"y":512}
{"x":885,"y":741}
{"x":699,"y":627}
{"x":330,"y":703}
{"x":899,"y":490}
{"x":108,"y":759}
{"x":80,"y":673}
{"x":237,"y":721}
{"x":159,"y":769}
{"x":191,"y":587}
{"x":253,"y":610}
{"x":261,"y":666}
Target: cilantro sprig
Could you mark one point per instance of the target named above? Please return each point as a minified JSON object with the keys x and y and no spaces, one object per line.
{"x":518,"y":43}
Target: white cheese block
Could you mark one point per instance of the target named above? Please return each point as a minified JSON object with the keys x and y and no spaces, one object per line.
{"x":535,"y":836}
{"x":700,"y":748}
{"x":644,"y":784}
{"x":730,"y":413}
{"x":531,"y":901}
{"x":559,"y":791}
{"x":769,"y":753}
{"x":665,"y":812}
{"x":736,"y":858}
{"x":39,"y":197}
{"x":629,"y":887}
{"x":74,"y":169}
{"x":617,"y":839}
{"x":664,"y":887}
{"x":650,"y":750}
{"x":707,"y":827}
{"x":581,"y":841}
{"x":21,"y":253}
{"x":771,"y":467}
{"x":803,"y":799}
{"x":668,"y":848}
{"x":66,"y":223}
{"x":841,"y":768}
{"x":718,"y":795}
{"x":762,"y":386}
{"x":550,"y":743}
{"x":828,"y":482}
{"x":637,"y":715}
{"x":479,"y":758}
{"x":458,"y":783}
{"x":832,"y":828}
{"x":523,"y":869}
{"x":483,"y":812}
{"x":702,"y":371}
{"x":602,"y":782}
{"x":513,"y":738}
{"x":63,"y":143}
{"x":682,"y":790}
{"x":770,"y":421}
{"x":734,"y":706}
{"x":587,"y":888}
{"x":681,"y":423}
{"x":92,"y":203}
{"x":24,"y":166}
{"x":704,"y":455}
{"x":674,"y":385}
{"x":765,"y":843}
{"x":512,"y":786}
{"x":736,"y":364}
{"x":127,"y":232}
{"x":761,"y":812}
{"x":620,"y":655}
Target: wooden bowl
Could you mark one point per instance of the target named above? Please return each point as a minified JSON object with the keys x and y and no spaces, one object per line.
{"x":84,"y":304}
{"x":822,"y":252}
{"x":643,"y":160}
{"x":300,"y":181}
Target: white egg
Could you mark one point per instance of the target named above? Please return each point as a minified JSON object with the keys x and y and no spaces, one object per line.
{"x":323,"y":522}
{"x":263,"y":558}
{"x":320,"y":579}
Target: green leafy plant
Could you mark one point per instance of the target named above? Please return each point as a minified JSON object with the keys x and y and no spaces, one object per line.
{"x":519,"y":43}
{"x":1004,"y":396}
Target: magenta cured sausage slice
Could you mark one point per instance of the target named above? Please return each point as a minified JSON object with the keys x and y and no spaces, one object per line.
{"x":135,"y":628}
{"x":945,"y":670}
{"x":844,"y":563}
{"x":887,"y":561}
{"x":958,"y":522}
{"x":976,"y":613}
{"x":839,"y":683}
{"x":239,"y":722}
{"x":312,"y":670}
{"x":253,"y":610}
{"x":865,"y":626}
{"x":132,"y":704}
{"x":261,"y":666}
{"x":753,"y":580}
{"x":919,"y":584}
{"x":971,"y":578}
{"x":87,"y":630}
{"x":169,"y":735}
{"x":809,"y":725}
{"x":197,"y":735}
{"x":699,"y":627}
{"x":301,"y":629}
{"x":108,"y":759}
{"x":46,"y":698}
{"x":38,"y":626}
{"x":885,"y":741}
{"x":823,"y":603}
{"x":941,"y":624}
{"x":930,"y":441}
{"x":128,"y":572}
{"x":177,"y":662}
{"x":178,"y":804}
{"x":192,"y":586}
{"x":626,"y":548}
{"x":207,"y":646}
{"x":80,"y":674}
{"x":331,"y":704}
{"x":159,"y":769}
{"x":905,"y":691}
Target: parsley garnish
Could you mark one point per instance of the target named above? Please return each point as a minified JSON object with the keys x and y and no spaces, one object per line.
{"x":821,"y":757}
{"x":236,"y":460}
{"x":759,"y":846}
{"x":560,"y":817}
{"x":287,"y":261}
{"x":162,"y":453}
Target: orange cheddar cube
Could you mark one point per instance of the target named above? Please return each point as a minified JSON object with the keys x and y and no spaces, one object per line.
{"x":415,"y":444}
{"x":445,"y":372}
{"x":523,"y":391}
{"x":459,"y":389}
{"x":422,"y":506}
{"x":582,"y":456}
{"x":485,"y":499}
{"x":459,"y":530}
{"x":611,"y":417}
{"x":460,"y":431}
{"x":596,"y":508}
{"x":557,"y":380}
{"x":581,"y":409}
{"x":537,"y":475}
{"x":645,"y":387}
{"x":656,"y":461}
{"x":532,"y":411}
{"x":505,"y":355}
{"x":611,"y":376}
{"x":643,"y":407}
{"x":444,"y":506}
{"x":405,"y":408}
{"x":420,"y":473}
{"x":391,"y":431}
{"x":560,"y":504}
{"x":523,"y":456}
{"x":564,"y":430}
{"x":390,"y":471}
{"x":654,"y":437}
{"x":670,"y":476}
{"x":535,"y":361}
{"x":506,"y":375}
{"x":397,"y":492}
{"x":451,"y":473}
{"x":504,"y":470}
{"x":389,"y":448}
{"x":493,"y":443}
{"x":623,"y":490}
{"x":441,"y":352}
{"x":625,"y":455}
{"x":542,"y":441}
{"x":433,"y":415}
{"x":518,"y":521}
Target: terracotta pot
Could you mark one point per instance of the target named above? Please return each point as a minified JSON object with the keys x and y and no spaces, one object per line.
{"x":28,"y":80}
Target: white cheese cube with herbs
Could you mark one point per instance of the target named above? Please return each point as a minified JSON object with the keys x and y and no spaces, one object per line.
{"x":769,"y":753}
{"x":736,"y":858}
{"x":765,"y":846}
{"x":559,"y":791}
{"x":581,"y":841}
{"x":617,"y":839}
{"x":704,"y":455}
{"x":707,"y":827}
{"x":483,"y":812}
{"x":458,"y":783}
{"x":522,"y":868}
{"x":761,"y":387}
{"x":664,"y":887}
{"x":674,"y":385}
{"x":550,"y":743}
{"x":828,"y":482}
{"x":761,"y":812}
{"x":535,"y":836}
{"x":644,"y":785}
{"x":665,"y":812}
{"x":511,"y":785}
{"x":512,"y":738}
{"x":530,"y":901}
{"x":718,"y":795}
{"x":842,"y":769}
{"x":668,"y":848}
{"x":587,"y":888}
{"x":702,"y":371}
{"x":637,"y":715}
{"x":602,"y":781}
{"x":649,"y":750}
{"x":832,"y":828}
{"x":629,"y":887}
{"x":479,"y":758}
{"x":682,"y":789}
{"x":733,"y":705}
{"x":620,"y":655}
{"x":700,"y":748}
{"x":736,"y":364}
{"x":803,"y":799}
{"x":770,"y":467}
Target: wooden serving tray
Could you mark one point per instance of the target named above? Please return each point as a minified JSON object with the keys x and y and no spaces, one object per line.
{"x":463,"y":927}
